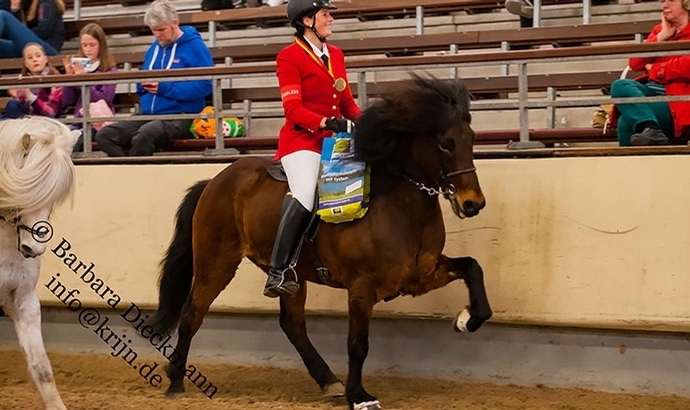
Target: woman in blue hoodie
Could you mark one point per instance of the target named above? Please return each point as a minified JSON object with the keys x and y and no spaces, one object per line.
{"x":175,"y":47}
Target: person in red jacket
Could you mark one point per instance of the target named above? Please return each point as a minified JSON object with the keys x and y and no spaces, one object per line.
{"x":317,"y":101}
{"x":658,"y":123}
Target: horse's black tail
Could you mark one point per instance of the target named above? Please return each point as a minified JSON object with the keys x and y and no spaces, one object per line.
{"x":177,"y":267}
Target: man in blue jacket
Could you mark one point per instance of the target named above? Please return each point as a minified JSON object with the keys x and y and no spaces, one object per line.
{"x":175,"y":47}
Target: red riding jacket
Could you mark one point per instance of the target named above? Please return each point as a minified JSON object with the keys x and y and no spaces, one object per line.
{"x":309,"y":92}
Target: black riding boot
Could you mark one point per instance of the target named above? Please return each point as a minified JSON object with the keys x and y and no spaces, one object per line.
{"x":282,"y":280}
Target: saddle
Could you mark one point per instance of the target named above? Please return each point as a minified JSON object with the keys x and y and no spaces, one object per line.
{"x":277,"y":172}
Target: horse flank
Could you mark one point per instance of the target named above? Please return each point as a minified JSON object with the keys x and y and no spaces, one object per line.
{"x":41,"y":173}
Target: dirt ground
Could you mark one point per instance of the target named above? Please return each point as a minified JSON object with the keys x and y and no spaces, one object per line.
{"x":102,"y":382}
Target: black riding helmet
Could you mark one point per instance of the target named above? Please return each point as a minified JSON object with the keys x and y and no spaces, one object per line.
{"x":296,"y":9}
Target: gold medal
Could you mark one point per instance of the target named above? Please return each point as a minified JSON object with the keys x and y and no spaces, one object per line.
{"x":340,"y":84}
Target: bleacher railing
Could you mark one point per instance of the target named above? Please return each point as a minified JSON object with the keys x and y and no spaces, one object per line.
{"x":359,"y":68}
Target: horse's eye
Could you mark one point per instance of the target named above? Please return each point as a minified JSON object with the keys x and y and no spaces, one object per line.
{"x":447,"y":145}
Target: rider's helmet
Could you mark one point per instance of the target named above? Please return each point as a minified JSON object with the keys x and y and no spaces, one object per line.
{"x":296,"y":9}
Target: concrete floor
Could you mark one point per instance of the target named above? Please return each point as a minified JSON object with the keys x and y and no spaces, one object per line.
{"x":647,"y":363}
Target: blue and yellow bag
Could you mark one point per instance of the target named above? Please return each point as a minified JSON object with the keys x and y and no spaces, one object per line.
{"x":343,"y":182}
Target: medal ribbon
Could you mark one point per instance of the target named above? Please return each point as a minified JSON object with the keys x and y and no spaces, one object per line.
{"x":316,"y":59}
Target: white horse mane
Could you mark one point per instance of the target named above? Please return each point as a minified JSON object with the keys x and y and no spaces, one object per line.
{"x":36,"y":163}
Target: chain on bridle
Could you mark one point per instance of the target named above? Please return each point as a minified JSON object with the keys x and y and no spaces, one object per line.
{"x":446,"y":187}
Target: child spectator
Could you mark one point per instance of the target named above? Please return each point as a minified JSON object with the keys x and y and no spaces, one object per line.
{"x":46,"y":101}
{"x":94,"y":47}
{"x":34,"y":21}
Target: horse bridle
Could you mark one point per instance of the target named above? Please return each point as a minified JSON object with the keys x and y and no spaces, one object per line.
{"x":41,"y":231}
{"x":446,"y":188}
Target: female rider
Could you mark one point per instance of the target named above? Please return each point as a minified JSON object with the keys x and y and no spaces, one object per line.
{"x":316,"y":96}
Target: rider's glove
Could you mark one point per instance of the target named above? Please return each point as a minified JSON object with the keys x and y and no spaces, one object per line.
{"x":339,"y":125}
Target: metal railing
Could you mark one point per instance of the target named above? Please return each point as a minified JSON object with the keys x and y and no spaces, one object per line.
{"x":220,"y":75}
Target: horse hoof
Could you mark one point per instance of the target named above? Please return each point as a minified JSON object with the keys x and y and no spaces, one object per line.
{"x":368,"y":405}
{"x":335,"y":389}
{"x":173,"y":393}
{"x":460,"y":322}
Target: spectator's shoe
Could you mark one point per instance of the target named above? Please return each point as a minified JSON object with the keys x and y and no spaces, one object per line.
{"x":522,"y":8}
{"x":649,"y":136}
{"x":562,"y":44}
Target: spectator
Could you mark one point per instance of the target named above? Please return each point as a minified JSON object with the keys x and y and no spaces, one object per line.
{"x":93,"y":47}
{"x":174,"y":47}
{"x":316,"y":95}
{"x":37,"y":21}
{"x":522,"y":8}
{"x":46,"y":101}
{"x":658,"y":123}
{"x":228,"y":4}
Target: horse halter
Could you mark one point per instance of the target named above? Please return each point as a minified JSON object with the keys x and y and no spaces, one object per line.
{"x":41,"y":231}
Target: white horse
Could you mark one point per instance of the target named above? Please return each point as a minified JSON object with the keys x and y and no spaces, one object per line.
{"x":36,"y":173}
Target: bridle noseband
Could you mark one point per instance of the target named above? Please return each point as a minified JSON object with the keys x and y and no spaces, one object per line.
{"x":41,"y":231}
{"x":446,"y":187}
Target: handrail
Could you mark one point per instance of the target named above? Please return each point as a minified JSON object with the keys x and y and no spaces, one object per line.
{"x":583,"y":53}
{"x":522,"y":58}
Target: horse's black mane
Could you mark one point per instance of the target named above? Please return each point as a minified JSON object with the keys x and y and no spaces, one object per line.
{"x":423,"y":108}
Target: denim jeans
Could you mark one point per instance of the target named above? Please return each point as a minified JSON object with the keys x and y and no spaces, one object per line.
{"x":14,"y":36}
{"x":15,"y":109}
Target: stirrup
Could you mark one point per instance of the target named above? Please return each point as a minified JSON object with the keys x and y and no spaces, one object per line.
{"x":284,"y":287}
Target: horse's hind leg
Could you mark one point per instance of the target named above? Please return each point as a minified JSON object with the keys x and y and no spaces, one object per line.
{"x":293,"y":323}
{"x":26,"y":315}
{"x":209,"y":281}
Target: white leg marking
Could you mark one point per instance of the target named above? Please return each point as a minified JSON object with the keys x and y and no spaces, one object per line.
{"x":368,"y":405}
{"x":461,"y":320}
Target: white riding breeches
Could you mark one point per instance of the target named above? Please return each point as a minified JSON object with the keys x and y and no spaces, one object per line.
{"x":302,"y":169}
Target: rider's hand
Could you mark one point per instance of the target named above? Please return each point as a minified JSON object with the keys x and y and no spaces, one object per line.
{"x":339,"y":125}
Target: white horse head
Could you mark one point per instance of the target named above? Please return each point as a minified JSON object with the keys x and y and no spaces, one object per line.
{"x":36,"y":173}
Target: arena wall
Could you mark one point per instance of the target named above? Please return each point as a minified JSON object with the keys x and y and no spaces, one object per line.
{"x":598,"y":242}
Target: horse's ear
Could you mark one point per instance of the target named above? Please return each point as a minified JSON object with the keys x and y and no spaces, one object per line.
{"x":26,"y":142}
{"x":75,"y":134}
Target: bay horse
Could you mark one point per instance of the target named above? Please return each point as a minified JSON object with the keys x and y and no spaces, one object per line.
{"x":419,"y":145}
{"x":36,"y":173}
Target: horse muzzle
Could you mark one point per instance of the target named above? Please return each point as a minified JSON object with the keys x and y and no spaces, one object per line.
{"x":27,"y":252}
{"x":467,"y":208}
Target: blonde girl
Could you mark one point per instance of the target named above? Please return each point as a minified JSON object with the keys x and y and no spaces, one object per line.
{"x":45,"y":101}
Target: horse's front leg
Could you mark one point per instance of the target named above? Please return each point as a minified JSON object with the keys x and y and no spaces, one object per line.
{"x":361,"y":300}
{"x":26,"y":316}
{"x":449,"y":269}
{"x":479,"y":311}
{"x":293,"y":323}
